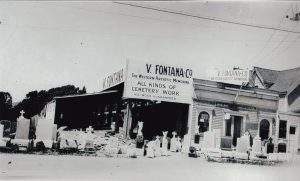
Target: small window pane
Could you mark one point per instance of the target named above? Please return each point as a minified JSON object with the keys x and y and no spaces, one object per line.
{"x":292,"y":130}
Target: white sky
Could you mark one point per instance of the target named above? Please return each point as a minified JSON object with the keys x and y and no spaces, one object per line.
{"x":49,"y":44}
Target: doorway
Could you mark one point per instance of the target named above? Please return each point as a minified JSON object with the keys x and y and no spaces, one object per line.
{"x":233,"y":128}
{"x":237,"y":126}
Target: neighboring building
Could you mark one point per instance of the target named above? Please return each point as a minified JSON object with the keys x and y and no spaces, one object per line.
{"x":287,"y":84}
{"x":230,"y":110}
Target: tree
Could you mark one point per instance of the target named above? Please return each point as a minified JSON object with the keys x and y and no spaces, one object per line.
{"x":5,"y":105}
{"x":36,"y":100}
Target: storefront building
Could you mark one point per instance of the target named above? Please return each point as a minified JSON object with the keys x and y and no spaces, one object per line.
{"x":168,"y":98}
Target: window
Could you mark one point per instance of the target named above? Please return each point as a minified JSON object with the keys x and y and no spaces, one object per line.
{"x":228,"y":127}
{"x":264,"y":129}
{"x":203,"y":121}
{"x":282,"y":129}
{"x":292,"y":130}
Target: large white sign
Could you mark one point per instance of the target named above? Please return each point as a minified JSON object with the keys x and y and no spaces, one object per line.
{"x":113,"y":79}
{"x":159,"y":82}
{"x":229,"y":76}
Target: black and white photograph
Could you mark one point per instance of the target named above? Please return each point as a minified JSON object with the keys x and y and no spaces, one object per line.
{"x":150,"y":90}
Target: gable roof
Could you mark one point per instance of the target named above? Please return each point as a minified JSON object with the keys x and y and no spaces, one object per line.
{"x":267,"y":75}
{"x":286,"y":79}
{"x":281,"y":81}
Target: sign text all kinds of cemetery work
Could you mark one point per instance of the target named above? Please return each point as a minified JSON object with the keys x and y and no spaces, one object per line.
{"x":237,"y":77}
{"x":159,"y":82}
{"x":113,"y":79}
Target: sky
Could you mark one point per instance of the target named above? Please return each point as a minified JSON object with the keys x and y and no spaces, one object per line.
{"x":50,"y":44}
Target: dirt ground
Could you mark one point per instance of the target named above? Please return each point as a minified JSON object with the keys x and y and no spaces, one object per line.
{"x":175,"y":167}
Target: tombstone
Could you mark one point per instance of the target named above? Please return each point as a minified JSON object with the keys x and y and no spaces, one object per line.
{"x":140,"y":137}
{"x":54,"y":132}
{"x":82,"y":140}
{"x":1,"y":130}
{"x":173,"y":146}
{"x":218,"y":137}
{"x":44,"y":130}
{"x":256,"y":147}
{"x":150,"y":149}
{"x":164,"y":146}
{"x":209,"y":140}
{"x":89,"y":129}
{"x":226,"y":143}
{"x":2,"y":143}
{"x":186,"y":143}
{"x":178,"y":144}
{"x":157,"y":149}
{"x":23,"y":126}
{"x":243,"y":144}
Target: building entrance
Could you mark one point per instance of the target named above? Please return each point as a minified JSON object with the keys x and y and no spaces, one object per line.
{"x":159,"y":117}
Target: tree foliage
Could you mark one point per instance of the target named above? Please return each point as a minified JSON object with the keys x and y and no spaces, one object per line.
{"x":5,"y":105}
{"x":36,"y":100}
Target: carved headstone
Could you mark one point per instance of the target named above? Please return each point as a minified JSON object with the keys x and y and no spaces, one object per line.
{"x":23,"y":124}
{"x":164,"y":146}
{"x":157,"y":149}
{"x":256,"y":147}
{"x":209,"y":140}
{"x":140,"y":137}
{"x":150,"y":149}
{"x":173,"y":146}
{"x":243,"y":144}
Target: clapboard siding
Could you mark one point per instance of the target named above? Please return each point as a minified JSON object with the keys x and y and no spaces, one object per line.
{"x":218,"y":119}
{"x":252,"y":123}
{"x":194,"y":121}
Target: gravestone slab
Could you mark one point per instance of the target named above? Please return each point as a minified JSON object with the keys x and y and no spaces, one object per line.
{"x":1,"y":130}
{"x":150,"y":149}
{"x":164,"y":146}
{"x":44,"y":130}
{"x":256,"y":147}
{"x":243,"y":144}
{"x":209,"y":140}
{"x":218,"y":137}
{"x":186,"y":143}
{"x":2,"y":143}
{"x":173,"y":146}
{"x":22,"y":131}
{"x":54,"y":132}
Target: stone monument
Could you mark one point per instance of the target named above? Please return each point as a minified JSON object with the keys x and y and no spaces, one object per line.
{"x":157,"y":149}
{"x":2,"y":143}
{"x":164,"y":146}
{"x":256,"y":147}
{"x":209,"y":140}
{"x":140,"y":137}
{"x":173,"y":145}
{"x":23,"y":124}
